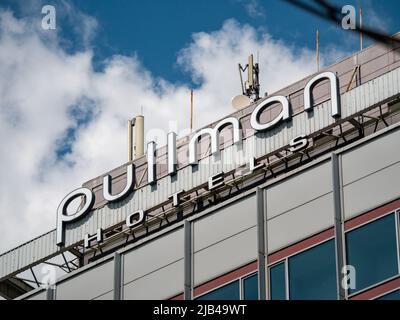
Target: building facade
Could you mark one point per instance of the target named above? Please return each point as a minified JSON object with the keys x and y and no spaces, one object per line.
{"x":305,"y":206}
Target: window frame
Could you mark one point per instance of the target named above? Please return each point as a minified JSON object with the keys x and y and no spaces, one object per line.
{"x":239,"y":278}
{"x":242,"y":279}
{"x":396,"y":213}
{"x":286,"y":276}
{"x":384,"y":294}
{"x":285,"y":260}
{"x":219,"y":287}
{"x":394,"y":284}
{"x":282,"y":255}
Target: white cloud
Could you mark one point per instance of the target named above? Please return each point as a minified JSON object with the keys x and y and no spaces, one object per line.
{"x":82,"y":23}
{"x":41,"y":85}
{"x":253,"y":8}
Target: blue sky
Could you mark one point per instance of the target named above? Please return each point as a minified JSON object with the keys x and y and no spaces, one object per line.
{"x":156,"y":30}
{"x":66,"y":94}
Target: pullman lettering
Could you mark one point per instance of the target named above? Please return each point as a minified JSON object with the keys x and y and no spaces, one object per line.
{"x":136,"y":218}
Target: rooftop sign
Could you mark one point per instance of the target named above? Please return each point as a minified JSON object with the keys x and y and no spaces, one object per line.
{"x":136,"y":218}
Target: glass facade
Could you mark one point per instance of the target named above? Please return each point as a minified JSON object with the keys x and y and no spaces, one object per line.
{"x":395,"y":295}
{"x":277,"y":279}
{"x":230,"y":291}
{"x":250,"y":287}
{"x":372,"y":250}
{"x":312,"y":273}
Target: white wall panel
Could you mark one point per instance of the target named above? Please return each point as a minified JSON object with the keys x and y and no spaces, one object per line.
{"x":89,"y":284}
{"x":368,"y":158}
{"x":300,"y":222}
{"x":372,"y":191}
{"x":106,"y":296}
{"x":297,"y":190}
{"x":153,"y":255}
{"x":225,"y":256}
{"x":225,"y":222}
{"x":161,"y":284}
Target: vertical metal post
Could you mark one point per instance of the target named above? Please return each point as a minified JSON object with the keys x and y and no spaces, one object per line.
{"x":339,"y":224}
{"x":261,"y":257}
{"x":117,"y":276}
{"x":191,"y":111}
{"x":287,"y":287}
{"x":317,"y":49}
{"x":188,"y":261}
{"x":130,"y":138}
{"x":50,"y":293}
{"x":361,"y":34}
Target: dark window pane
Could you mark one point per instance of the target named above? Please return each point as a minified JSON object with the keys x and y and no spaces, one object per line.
{"x":395,"y":295}
{"x":372,"y":250}
{"x":277,"y":282}
{"x":250,"y":289}
{"x":312,"y":273}
{"x":228,"y":292}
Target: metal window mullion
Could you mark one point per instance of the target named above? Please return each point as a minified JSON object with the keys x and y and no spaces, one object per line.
{"x":50,"y":293}
{"x":117,"y":276}
{"x":268,"y":289}
{"x":342,"y":215}
{"x":188,"y":261}
{"x":340,"y":255}
{"x":241,"y":288}
{"x":261,"y":244}
{"x":267,"y":281}
{"x":398,"y":239}
{"x":286,"y":261}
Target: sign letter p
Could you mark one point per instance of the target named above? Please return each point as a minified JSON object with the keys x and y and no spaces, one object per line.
{"x":63,"y":217}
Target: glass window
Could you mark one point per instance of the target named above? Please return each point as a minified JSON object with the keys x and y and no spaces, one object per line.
{"x":312,"y":273}
{"x":395,"y":295}
{"x":277,"y":282}
{"x":372,"y":250}
{"x":228,"y":292}
{"x":250,"y":287}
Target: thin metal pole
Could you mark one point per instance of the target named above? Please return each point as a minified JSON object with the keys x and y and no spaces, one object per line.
{"x":361,"y":34}
{"x":317,"y":49}
{"x":34,"y":277}
{"x":130,"y":149}
{"x":66,"y":262}
{"x":191,"y":110}
{"x":241,"y":79}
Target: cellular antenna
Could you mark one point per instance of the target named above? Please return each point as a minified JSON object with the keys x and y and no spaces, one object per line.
{"x":251,"y":87}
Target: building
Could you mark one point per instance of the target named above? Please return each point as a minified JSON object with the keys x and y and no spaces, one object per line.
{"x":303,"y":203}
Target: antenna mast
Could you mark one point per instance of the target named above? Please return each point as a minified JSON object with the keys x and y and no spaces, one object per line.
{"x":251,"y":87}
